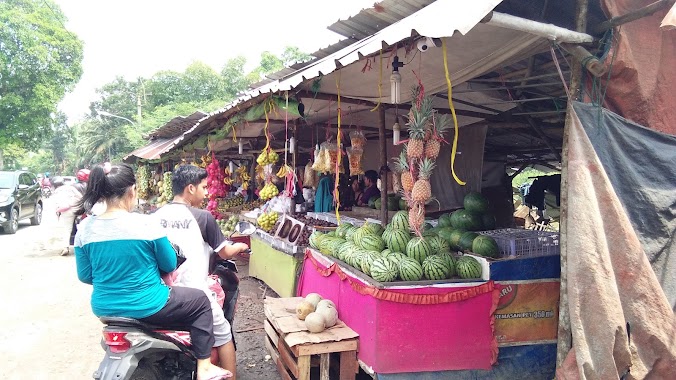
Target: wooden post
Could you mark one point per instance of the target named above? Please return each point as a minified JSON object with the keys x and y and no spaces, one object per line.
{"x":564,"y":337}
{"x":383,"y":164}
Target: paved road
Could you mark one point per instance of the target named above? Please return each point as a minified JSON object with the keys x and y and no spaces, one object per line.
{"x":47,"y":329}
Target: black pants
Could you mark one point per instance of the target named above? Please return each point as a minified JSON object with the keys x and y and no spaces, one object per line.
{"x":188,"y":309}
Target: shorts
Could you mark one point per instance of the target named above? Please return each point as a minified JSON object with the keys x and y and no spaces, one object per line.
{"x":222,"y":329}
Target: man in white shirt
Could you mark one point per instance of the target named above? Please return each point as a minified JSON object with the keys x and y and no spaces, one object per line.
{"x":199,"y":236}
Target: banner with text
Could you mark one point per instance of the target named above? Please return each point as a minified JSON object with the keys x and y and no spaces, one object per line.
{"x":527,"y":311}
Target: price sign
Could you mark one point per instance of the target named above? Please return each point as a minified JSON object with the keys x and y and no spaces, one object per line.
{"x":290,"y":230}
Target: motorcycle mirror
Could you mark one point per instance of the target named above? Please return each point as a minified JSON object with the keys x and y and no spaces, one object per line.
{"x":245,"y":228}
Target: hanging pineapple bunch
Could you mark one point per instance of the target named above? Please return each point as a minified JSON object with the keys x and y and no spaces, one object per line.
{"x":416,"y":162}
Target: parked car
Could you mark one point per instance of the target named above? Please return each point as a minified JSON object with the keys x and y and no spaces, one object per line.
{"x":20,"y":199}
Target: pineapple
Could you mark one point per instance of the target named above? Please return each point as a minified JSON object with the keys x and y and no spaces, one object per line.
{"x":416,"y":217}
{"x":406,"y":177}
{"x":422,"y":190}
{"x":433,"y":145}
{"x":418,"y":128}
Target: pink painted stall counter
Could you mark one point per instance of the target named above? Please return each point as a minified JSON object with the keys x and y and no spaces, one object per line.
{"x":408,"y":328}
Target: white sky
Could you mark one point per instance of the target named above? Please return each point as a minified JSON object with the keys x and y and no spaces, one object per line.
{"x":136,"y":38}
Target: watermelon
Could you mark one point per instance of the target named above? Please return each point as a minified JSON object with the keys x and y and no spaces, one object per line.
{"x":427,"y":226}
{"x":488,"y":220}
{"x":349,"y":233}
{"x":366,"y":259}
{"x":454,"y":239}
{"x":384,"y":270}
{"x":386,"y":233}
{"x":400,"y":221}
{"x":385,"y":252}
{"x":345,"y":249}
{"x":418,"y":249}
{"x":332,"y":234}
{"x":475,"y":202}
{"x":343,"y":228}
{"x":485,"y":246}
{"x":374,"y":228}
{"x":466,"y":220}
{"x":372,"y":202}
{"x":436,"y":268}
{"x":314,"y":239}
{"x":397,"y":240}
{"x":445,"y":233}
{"x":438,"y":244}
{"x":377,"y":204}
{"x":466,"y":240}
{"x":450,"y":260}
{"x":396,"y":257}
{"x":372,"y":243}
{"x":468,"y":267}
{"x":402,"y":204}
{"x":410,"y":269}
{"x":392,"y":203}
{"x":445,"y":221}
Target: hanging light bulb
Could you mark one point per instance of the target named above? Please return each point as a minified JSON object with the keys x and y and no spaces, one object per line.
{"x":396,"y":129}
{"x":241,"y":146}
{"x":395,"y":81}
{"x":292,"y":145}
{"x":232,"y":167}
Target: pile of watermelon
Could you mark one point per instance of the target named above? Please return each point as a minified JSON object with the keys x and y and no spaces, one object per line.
{"x":394,"y":203}
{"x":394,"y":253}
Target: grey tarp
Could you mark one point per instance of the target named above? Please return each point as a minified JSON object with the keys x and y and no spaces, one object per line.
{"x":641,"y":165}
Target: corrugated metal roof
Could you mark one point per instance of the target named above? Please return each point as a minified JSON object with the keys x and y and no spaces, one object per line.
{"x":152,"y":151}
{"x":176,"y":126}
{"x":372,"y":20}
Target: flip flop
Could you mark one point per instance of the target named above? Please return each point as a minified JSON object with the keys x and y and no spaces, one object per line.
{"x":221,"y":375}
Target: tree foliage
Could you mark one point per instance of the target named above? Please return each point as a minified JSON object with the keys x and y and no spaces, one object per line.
{"x":39,"y":62}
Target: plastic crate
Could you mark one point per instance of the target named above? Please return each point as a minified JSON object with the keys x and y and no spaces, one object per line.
{"x":514,"y":242}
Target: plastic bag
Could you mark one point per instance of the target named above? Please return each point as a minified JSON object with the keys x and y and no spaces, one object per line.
{"x":332,"y":152}
{"x":357,"y":140}
{"x":309,"y":176}
{"x":354,"y":155}
{"x":321,"y":163}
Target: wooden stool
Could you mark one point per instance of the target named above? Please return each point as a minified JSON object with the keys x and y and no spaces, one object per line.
{"x":292,"y":347}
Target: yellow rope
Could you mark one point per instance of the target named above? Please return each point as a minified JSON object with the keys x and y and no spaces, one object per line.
{"x":380,"y":82}
{"x":455,"y":119}
{"x":339,"y":157}
{"x":234,"y":133}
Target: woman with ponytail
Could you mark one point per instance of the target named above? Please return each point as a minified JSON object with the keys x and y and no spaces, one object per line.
{"x":122,"y":253}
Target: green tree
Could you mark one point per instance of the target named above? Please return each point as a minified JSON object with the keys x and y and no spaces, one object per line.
{"x":234,"y":78}
{"x":293,"y":55}
{"x":39,"y":62}
{"x":62,"y":136}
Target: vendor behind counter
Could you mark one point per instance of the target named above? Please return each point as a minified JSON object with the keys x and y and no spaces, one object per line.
{"x":371,"y":188}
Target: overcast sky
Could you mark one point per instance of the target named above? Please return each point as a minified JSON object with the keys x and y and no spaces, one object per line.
{"x":140,"y":37}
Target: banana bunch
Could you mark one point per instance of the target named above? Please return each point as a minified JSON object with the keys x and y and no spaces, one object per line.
{"x":267,"y":157}
{"x":269,"y":191}
{"x":228,"y":180}
{"x":205,"y":160}
{"x":283,"y":171}
{"x":245,"y":185}
{"x":142,"y":181}
{"x":260,"y":172}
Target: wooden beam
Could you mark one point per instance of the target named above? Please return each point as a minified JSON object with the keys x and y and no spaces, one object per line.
{"x":633,"y":15}
{"x":543,"y":137}
{"x":564,"y":336}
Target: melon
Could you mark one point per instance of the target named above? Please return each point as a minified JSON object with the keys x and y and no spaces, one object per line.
{"x":451,"y":261}
{"x":377,"y":204}
{"x":314,"y":299}
{"x":330,"y":315}
{"x":402,"y":204}
{"x":437,"y":244}
{"x":397,"y":240}
{"x":396,"y":257}
{"x":454,"y":239}
{"x":303,"y":309}
{"x":475,"y":202}
{"x":372,"y":202}
{"x":445,"y":233}
{"x":372,"y":243}
{"x":485,"y":246}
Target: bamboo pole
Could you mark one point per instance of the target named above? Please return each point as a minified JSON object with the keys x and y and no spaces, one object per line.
{"x":633,"y":15}
{"x":383,"y":164}
{"x":564,"y":337}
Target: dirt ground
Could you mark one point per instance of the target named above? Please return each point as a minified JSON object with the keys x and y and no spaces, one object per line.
{"x":249,"y":332}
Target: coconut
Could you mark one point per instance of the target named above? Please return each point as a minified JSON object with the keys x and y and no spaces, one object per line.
{"x":315,"y":322}
{"x":330,"y":315}
{"x":303,"y":309}
{"x":325,"y":302}
{"x":313,"y":298}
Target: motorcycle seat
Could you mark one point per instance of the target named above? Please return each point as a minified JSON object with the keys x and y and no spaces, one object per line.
{"x":127,"y":322}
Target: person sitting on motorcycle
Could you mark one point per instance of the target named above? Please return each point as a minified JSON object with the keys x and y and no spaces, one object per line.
{"x":122,"y":253}
{"x":199,"y":236}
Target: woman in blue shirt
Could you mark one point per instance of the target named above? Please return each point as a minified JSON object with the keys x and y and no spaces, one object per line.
{"x":122,"y":253}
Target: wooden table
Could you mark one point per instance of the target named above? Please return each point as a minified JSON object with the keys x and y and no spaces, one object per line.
{"x":292,"y":346}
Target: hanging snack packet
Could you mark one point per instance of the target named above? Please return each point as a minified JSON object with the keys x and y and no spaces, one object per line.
{"x":357,"y":140}
{"x":354,"y":155}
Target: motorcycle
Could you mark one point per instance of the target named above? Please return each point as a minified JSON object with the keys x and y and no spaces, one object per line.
{"x":139,"y":351}
{"x":46,"y":191}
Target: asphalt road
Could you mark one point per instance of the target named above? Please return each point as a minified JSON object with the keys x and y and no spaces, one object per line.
{"x":47,"y":329}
